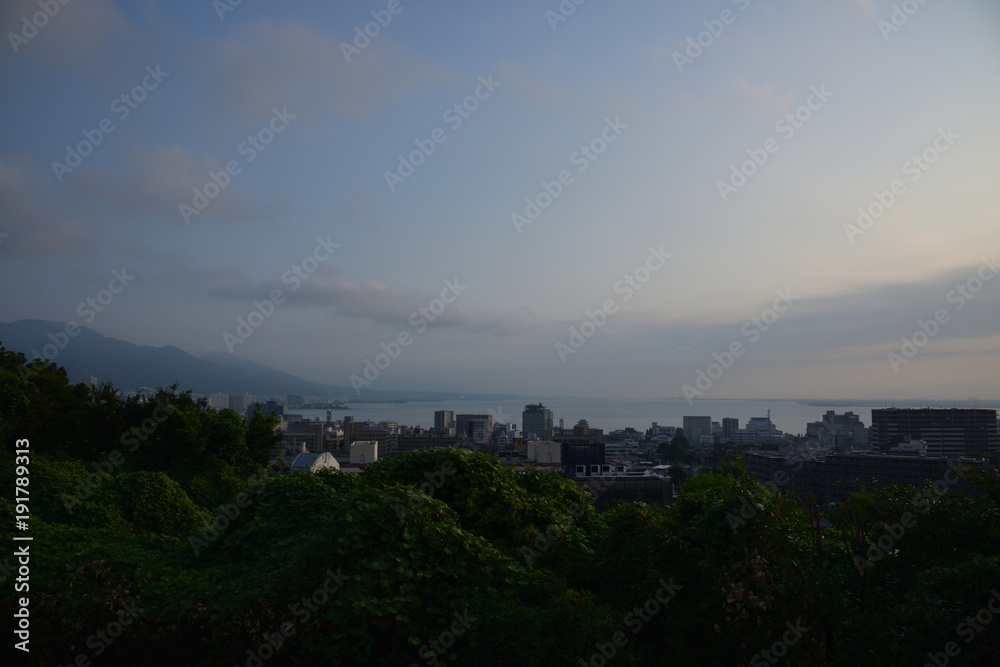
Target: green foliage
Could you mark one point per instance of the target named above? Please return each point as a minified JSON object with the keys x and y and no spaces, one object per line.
{"x":216,"y":554}
{"x":141,"y":502}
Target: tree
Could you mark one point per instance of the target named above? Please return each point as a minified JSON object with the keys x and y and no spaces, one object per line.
{"x":678,"y":474}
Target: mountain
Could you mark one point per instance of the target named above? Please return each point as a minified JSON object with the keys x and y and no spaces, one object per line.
{"x":130,"y":366}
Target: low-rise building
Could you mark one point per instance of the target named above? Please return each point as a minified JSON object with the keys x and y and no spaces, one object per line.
{"x":314,"y":461}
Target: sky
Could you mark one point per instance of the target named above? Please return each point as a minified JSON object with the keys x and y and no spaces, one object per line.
{"x":726,"y":199}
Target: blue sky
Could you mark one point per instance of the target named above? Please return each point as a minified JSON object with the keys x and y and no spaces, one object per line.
{"x":886,"y":95}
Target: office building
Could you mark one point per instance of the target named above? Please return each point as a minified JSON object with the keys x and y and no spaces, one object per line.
{"x":695,"y":427}
{"x":477,"y":428}
{"x":729,"y":425}
{"x":835,"y":430}
{"x":536,"y":422}
{"x":444,"y":419}
{"x":947,"y":431}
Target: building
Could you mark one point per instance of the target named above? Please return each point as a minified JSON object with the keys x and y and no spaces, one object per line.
{"x":729,"y":425}
{"x":544,"y":451}
{"x":831,"y":478}
{"x":313,"y":462}
{"x":504,"y":435}
{"x":354,"y":431}
{"x":299,"y":432}
{"x":240,"y":402}
{"x":695,"y":427}
{"x":477,"y":428}
{"x":271,"y":408}
{"x":364,"y":452}
{"x":581,"y":434}
{"x":411,"y":442}
{"x":536,"y":421}
{"x":444,"y":419}
{"x":835,"y":430}
{"x":582,"y":460}
{"x":947,"y":431}
{"x":218,"y":401}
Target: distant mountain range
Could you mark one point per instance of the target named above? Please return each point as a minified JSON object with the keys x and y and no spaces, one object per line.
{"x":130,"y":366}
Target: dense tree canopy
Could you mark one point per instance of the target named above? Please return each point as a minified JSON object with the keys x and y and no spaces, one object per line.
{"x":161,"y":512}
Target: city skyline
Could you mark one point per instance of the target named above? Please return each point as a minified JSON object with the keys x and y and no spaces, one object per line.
{"x":743,"y":200}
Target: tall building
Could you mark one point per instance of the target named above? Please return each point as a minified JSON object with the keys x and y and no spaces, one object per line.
{"x":536,"y":420}
{"x":846,"y":430}
{"x":947,"y":431}
{"x":695,"y":427}
{"x":444,"y":419}
{"x":729,"y":425}
{"x":474,"y":426}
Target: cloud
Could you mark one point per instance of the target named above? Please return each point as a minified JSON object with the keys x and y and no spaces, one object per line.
{"x":261,"y":64}
{"x":152,"y":182}
{"x":32,"y":223}
{"x":867,"y":5}
{"x":534,"y":91}
{"x":384,"y":305}
{"x":91,"y":38}
{"x":764,"y":95}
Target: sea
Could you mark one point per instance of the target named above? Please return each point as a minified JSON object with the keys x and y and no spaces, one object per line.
{"x":788,"y":416}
